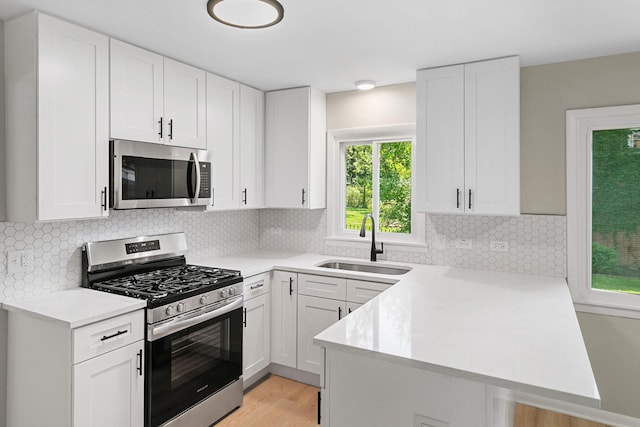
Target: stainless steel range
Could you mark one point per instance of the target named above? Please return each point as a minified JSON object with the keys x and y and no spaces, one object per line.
{"x":194,"y":325}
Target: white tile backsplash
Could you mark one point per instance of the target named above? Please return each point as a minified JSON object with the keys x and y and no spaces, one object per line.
{"x":537,"y":243}
{"x":56,"y":245}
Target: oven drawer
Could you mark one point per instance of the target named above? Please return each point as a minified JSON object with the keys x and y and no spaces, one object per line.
{"x":256,"y":285}
{"x":101,"y":337}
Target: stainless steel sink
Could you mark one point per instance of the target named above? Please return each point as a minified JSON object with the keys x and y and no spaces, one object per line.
{"x":395,"y":270}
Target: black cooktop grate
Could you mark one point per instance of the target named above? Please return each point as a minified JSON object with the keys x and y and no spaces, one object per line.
{"x":162,"y":283}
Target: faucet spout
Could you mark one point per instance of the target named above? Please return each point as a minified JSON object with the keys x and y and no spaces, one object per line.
{"x":374,"y":250}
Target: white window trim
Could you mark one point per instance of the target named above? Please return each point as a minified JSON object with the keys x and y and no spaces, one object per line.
{"x":580,"y":126}
{"x":335,"y":191}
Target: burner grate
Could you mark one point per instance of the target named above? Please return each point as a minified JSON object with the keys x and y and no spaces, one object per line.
{"x":161,"y":283}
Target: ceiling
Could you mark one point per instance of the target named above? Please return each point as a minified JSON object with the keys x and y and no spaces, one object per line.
{"x":329,"y":44}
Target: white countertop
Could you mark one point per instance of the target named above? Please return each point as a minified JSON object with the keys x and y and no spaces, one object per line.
{"x":75,"y":307}
{"x":509,"y":330}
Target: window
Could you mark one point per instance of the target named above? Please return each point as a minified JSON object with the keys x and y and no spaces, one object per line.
{"x":603,"y":209}
{"x":371,"y":171}
{"x":377,"y":177}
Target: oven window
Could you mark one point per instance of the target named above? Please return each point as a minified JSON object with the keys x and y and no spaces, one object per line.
{"x":194,"y":354}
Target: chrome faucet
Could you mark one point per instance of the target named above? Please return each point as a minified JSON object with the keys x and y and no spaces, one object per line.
{"x":374,"y":251}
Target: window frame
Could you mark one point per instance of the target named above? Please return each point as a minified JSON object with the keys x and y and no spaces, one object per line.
{"x":580,"y":126}
{"x":336,"y":181}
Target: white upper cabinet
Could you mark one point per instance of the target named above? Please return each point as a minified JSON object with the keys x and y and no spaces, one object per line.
{"x":251,"y":147}
{"x":468,"y":147}
{"x":136,"y":93}
{"x":155,"y":99}
{"x":184,"y":105}
{"x":223,"y":137}
{"x":235,"y":140}
{"x":57,"y":132}
{"x":295,"y":145}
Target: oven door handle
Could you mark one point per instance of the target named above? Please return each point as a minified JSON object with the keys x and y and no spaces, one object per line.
{"x":178,"y":324}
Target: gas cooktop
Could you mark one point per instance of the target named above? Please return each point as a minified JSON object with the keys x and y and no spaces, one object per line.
{"x":172,"y":281}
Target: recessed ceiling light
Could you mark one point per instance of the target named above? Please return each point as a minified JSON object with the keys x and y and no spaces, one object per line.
{"x":246,"y":13}
{"x":365,"y":84}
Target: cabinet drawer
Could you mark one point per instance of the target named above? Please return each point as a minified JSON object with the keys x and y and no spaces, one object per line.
{"x":361,"y":291}
{"x":322,"y":286}
{"x":101,"y":337}
{"x":256,"y":285}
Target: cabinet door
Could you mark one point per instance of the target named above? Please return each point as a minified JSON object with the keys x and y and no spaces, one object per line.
{"x":256,"y":352}
{"x":284,"y":294}
{"x":440,"y":140}
{"x":136,"y":93}
{"x":361,"y":291}
{"x":251,"y":147}
{"x":315,"y":315}
{"x":108,"y":390}
{"x":223,"y":108}
{"x":184,"y":105}
{"x":322,"y":286}
{"x":492,"y":136}
{"x":287,"y":139}
{"x":73,"y":121}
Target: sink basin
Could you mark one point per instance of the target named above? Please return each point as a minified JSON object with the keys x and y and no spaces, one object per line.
{"x":395,"y":270}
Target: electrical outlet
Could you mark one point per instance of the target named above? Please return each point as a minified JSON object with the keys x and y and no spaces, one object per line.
{"x":499,"y":246}
{"x":19,"y":261}
{"x":276,"y":230}
{"x":464,"y":244}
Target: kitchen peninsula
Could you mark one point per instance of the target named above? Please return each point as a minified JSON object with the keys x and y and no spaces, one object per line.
{"x":435,"y":345}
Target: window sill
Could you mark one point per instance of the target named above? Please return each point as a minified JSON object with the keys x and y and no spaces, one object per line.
{"x":357,"y":242}
{"x":607,"y":309}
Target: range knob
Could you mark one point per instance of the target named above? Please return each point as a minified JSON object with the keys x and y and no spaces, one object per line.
{"x":180,"y":307}
{"x":232,"y":291}
{"x":169,"y":311}
{"x":223,"y":293}
{"x":203,"y":299}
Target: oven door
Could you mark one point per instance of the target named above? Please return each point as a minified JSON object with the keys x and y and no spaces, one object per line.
{"x":155,"y":175}
{"x":185,"y":365}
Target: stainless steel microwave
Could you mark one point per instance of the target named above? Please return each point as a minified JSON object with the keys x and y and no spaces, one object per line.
{"x":157,"y":176}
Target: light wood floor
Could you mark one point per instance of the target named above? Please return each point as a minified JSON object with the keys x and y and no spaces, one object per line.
{"x":277,"y":402}
{"x":527,"y":416}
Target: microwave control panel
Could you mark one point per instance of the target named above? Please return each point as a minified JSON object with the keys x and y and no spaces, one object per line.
{"x":205,"y":180}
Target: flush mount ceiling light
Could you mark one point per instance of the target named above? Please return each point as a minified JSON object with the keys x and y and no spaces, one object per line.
{"x":246,"y":13}
{"x":365,"y":84}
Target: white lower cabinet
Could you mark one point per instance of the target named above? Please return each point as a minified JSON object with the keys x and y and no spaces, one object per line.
{"x":256,"y":342}
{"x":284,"y":303}
{"x":109,"y":390}
{"x":314,"y":316}
{"x":322,"y":301}
{"x":90,"y":376}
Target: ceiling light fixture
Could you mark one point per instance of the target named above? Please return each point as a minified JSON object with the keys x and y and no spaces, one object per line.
{"x":246,"y":13}
{"x":365,"y":84}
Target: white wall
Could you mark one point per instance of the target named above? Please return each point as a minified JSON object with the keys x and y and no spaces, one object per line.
{"x":384,"y":105}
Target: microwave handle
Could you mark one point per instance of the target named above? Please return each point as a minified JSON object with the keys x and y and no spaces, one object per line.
{"x":196,"y":193}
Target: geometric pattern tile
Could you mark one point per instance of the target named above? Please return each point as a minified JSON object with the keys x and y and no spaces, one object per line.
{"x":56,"y":245}
{"x":537,"y":243}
